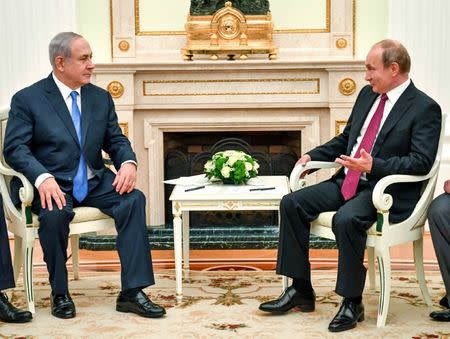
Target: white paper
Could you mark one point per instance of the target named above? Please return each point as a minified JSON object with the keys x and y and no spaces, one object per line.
{"x":202,"y":180}
{"x":255,"y":182}
{"x":194,"y":180}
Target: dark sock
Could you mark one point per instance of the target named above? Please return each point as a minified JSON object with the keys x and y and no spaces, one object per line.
{"x":303,"y":286}
{"x":131,"y":292}
{"x":356,"y":300}
{"x":444,"y":302}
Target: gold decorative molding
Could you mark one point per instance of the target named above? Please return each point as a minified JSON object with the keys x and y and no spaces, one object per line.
{"x":279,"y":31}
{"x":124,"y":46}
{"x":124,"y":127}
{"x":231,"y":204}
{"x":326,"y":29}
{"x":229,"y":32}
{"x":137,"y":25}
{"x":116,"y":89}
{"x":266,"y":204}
{"x":347,"y":86}
{"x":315,"y":91}
{"x":341,"y":43}
{"x":339,"y":126}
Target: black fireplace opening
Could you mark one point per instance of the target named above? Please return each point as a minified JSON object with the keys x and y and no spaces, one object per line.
{"x":185,"y":154}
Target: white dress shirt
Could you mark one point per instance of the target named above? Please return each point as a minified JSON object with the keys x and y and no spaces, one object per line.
{"x":393,"y":96}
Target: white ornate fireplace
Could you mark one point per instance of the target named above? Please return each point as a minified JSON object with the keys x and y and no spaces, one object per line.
{"x":311,"y":88}
{"x":306,"y":96}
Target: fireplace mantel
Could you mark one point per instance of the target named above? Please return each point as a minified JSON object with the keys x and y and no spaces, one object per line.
{"x":314,"y":96}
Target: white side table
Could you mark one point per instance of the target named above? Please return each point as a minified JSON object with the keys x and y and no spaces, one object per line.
{"x":218,"y":197}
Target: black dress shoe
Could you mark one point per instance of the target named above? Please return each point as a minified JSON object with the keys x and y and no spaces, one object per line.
{"x":62,"y":306}
{"x":11,"y":314}
{"x":288,"y":300}
{"x":444,"y":302}
{"x":347,"y":317}
{"x":139,"y":304}
{"x":443,"y":315}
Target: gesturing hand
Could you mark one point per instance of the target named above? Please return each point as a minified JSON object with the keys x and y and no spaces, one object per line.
{"x":362,"y":164}
{"x":125,"y":178}
{"x":48,"y":190}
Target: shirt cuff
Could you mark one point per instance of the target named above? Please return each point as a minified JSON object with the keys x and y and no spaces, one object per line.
{"x":40,"y":179}
{"x":127,"y":161}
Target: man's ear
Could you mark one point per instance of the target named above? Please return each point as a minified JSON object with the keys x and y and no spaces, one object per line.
{"x":59,"y":63}
{"x":395,"y":68}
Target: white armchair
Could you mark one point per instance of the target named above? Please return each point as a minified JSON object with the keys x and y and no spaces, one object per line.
{"x":24,"y":224}
{"x":383,"y":235}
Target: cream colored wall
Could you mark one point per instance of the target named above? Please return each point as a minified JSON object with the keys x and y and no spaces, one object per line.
{"x":371,"y":24}
{"x":93,"y":20}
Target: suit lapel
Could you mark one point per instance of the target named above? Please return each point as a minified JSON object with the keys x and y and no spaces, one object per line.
{"x":399,"y":109}
{"x":57,"y":101}
{"x":86,"y":111}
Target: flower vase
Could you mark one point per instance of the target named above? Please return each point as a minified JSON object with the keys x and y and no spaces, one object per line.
{"x":228,"y":182}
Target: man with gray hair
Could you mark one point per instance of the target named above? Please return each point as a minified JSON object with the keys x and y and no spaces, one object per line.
{"x":57,"y":129}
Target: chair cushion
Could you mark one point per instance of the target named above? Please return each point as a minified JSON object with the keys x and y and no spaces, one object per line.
{"x":82,"y":214}
{"x":326,"y":218}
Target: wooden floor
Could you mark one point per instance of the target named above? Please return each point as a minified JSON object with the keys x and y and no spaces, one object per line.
{"x":401,"y":256}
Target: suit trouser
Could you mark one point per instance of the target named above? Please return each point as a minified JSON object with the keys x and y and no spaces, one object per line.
{"x":350,"y":224}
{"x":6,"y":270}
{"x":439,"y":220}
{"x":128,"y":211}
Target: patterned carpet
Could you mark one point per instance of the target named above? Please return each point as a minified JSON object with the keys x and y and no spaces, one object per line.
{"x":224,"y":304}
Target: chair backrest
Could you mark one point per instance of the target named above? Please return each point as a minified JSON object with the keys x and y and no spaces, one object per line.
{"x":3,"y":121}
{"x":430,"y":184}
{"x":4,"y":111}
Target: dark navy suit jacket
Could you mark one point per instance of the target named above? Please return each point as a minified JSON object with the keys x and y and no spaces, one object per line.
{"x":41,"y":138}
{"x":406,"y":144}
{"x":6,"y":270}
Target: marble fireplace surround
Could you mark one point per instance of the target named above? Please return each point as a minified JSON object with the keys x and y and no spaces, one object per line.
{"x":314,"y":97}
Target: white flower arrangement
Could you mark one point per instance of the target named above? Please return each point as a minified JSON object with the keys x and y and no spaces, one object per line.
{"x":231,"y":166}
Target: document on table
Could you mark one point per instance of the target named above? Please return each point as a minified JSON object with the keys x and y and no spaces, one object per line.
{"x":202,"y":180}
{"x":237,"y":189}
{"x":194,"y":180}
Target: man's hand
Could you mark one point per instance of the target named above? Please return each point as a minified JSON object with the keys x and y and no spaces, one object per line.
{"x":447,"y":186}
{"x":362,"y":164}
{"x":125,"y":178}
{"x":48,"y":190}
{"x":302,"y":161}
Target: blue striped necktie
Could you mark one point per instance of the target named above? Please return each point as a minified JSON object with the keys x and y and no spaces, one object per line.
{"x":80,"y":181}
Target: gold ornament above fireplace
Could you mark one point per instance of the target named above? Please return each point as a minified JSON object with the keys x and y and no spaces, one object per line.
{"x":229,"y":32}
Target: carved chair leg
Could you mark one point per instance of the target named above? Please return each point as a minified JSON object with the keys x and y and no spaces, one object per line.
{"x":18,"y":257}
{"x":27,"y":250}
{"x":420,"y":272}
{"x":371,"y":264}
{"x":384,"y":265}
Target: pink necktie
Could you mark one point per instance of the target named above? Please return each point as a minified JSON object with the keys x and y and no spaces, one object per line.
{"x":351,"y":180}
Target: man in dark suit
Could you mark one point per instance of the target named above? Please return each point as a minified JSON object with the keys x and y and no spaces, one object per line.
{"x":8,"y":313}
{"x":57,"y":129}
{"x":439,"y":220}
{"x":393,"y":129}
